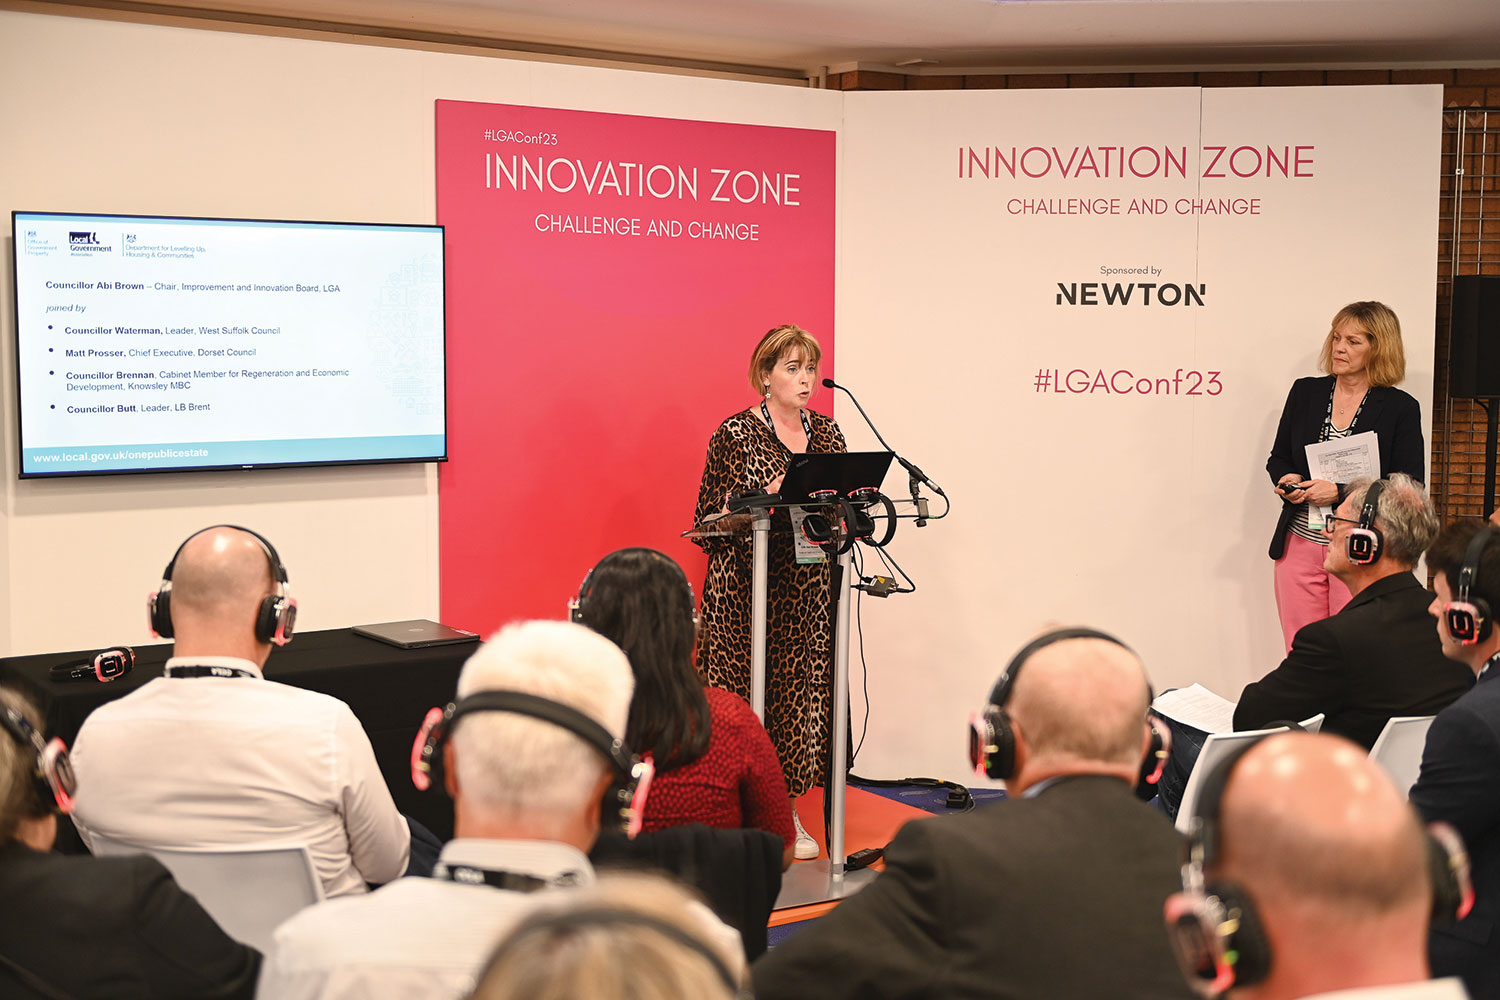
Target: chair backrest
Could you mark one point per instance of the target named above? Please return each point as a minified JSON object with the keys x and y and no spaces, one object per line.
{"x":1215,"y":748}
{"x":249,"y":891}
{"x":1313,"y":723}
{"x":1398,"y":749}
{"x":738,"y":871}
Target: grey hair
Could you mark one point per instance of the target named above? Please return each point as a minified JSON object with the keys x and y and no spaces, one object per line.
{"x":517,"y":765}
{"x":1403,"y":514}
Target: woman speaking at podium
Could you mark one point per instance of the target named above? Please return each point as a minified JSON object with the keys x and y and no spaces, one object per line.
{"x":1363,"y":358}
{"x":749,"y":452}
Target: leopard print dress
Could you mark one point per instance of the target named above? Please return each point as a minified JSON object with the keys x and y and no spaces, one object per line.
{"x":744,"y":454}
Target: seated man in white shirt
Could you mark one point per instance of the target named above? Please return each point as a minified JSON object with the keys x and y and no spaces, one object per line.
{"x":214,"y":755}
{"x":531,"y":753}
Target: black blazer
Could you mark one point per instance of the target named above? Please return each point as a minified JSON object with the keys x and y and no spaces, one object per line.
{"x":1057,"y":896}
{"x":1460,"y":772}
{"x":1394,"y":416}
{"x":111,"y":927}
{"x":1377,"y":658}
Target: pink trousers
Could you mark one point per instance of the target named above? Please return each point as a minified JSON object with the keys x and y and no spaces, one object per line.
{"x":1305,"y":591}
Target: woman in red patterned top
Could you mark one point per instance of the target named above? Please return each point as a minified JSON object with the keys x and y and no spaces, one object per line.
{"x":714,"y":762}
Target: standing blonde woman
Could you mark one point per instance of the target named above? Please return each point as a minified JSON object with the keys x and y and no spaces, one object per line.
{"x":1363,"y":360}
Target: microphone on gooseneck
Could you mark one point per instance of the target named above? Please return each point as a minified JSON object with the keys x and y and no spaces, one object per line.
{"x":916,"y":473}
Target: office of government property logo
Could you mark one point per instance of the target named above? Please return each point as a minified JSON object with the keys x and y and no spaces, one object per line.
{"x":87,"y":243}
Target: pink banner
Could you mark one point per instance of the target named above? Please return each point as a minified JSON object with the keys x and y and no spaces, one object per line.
{"x":608,"y":276}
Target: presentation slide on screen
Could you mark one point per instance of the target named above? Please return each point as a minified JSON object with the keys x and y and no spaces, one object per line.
{"x":146,"y":343}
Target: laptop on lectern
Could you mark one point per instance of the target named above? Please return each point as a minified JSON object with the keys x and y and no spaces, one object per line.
{"x":844,"y":471}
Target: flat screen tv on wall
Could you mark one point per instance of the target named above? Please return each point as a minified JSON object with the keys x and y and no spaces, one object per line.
{"x":161,"y":344}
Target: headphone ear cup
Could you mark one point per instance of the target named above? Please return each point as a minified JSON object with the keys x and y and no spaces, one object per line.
{"x":1449,"y":872}
{"x":1486,"y":622}
{"x":1364,"y":546}
{"x":817,"y":528}
{"x":159,"y":611}
{"x":1247,"y":945}
{"x":624,"y":809}
{"x":1002,"y":763}
{"x":427,"y":750}
{"x":265,"y":619}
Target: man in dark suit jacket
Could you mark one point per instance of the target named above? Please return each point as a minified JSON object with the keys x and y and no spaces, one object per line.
{"x":1054,"y":893}
{"x":1461,"y":762}
{"x":1378,"y":657}
{"x":1309,"y":876}
{"x":95,"y":927}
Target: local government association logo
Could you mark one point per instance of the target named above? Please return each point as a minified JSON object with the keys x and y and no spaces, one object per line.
{"x":87,"y":242}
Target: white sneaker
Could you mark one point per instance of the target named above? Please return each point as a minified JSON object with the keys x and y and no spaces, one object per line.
{"x":806,"y":848}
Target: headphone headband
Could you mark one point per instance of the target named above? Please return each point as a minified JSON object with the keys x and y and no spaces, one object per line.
{"x":626,"y":797}
{"x":1369,"y":508}
{"x":1470,"y":571}
{"x":275,"y":619}
{"x":278,"y":571}
{"x":992,"y":738}
{"x":537,"y":707}
{"x":1000,"y":692}
{"x":576,"y":610}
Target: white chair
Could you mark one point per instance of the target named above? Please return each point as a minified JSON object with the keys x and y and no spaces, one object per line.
{"x":1313,"y":723}
{"x":249,"y":891}
{"x":1398,"y":749}
{"x":1215,"y":749}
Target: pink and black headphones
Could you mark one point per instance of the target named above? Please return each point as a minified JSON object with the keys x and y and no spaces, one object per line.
{"x":1468,"y":616}
{"x":1364,"y":543}
{"x":50,"y":768}
{"x":624,"y":800}
{"x":274,"y":621}
{"x":992,"y":737}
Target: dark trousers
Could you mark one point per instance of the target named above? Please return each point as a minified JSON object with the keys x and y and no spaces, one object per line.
{"x":425,"y":848}
{"x":1187,"y":743}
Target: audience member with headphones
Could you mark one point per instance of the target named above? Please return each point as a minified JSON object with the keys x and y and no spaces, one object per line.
{"x":80,"y":927}
{"x":532,"y":752}
{"x":715,"y":764}
{"x":1461,"y":763}
{"x":1056,"y":892}
{"x":1378,"y":657}
{"x":213,"y":754}
{"x":1307,"y":875}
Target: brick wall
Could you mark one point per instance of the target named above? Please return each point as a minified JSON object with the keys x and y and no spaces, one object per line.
{"x":1469,"y":212}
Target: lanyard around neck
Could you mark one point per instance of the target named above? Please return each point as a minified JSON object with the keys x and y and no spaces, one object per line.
{"x":205,"y":671}
{"x":1328,"y":417}
{"x":501,"y":879}
{"x":806,"y":427}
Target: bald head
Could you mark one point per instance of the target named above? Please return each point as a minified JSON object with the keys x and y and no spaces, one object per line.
{"x":1081,"y":702}
{"x":220,"y":577}
{"x":1308,"y":821}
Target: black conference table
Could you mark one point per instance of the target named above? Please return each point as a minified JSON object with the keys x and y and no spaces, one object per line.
{"x":390,"y":690}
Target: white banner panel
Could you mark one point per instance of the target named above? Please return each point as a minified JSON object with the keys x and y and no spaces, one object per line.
{"x":1080,"y":312}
